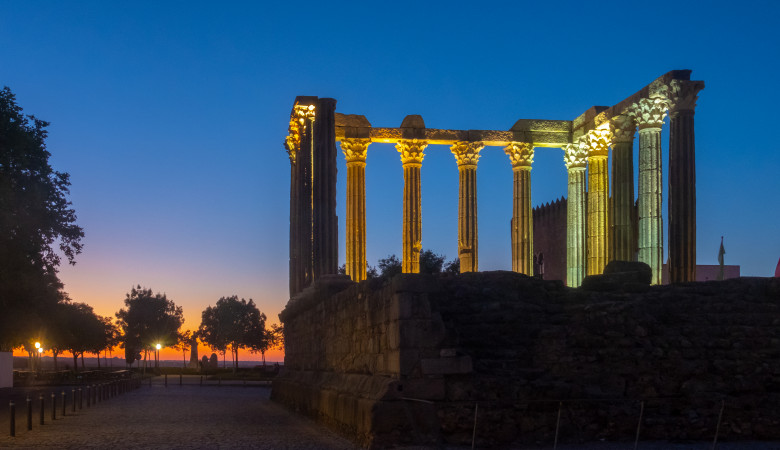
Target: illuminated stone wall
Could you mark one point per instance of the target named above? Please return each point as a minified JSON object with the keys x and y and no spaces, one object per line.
{"x":407,"y":361}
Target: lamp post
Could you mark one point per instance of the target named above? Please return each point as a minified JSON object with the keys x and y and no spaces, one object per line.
{"x":37,"y":357}
{"x":157,"y":362}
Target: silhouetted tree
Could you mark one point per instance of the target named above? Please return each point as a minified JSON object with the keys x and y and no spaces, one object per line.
{"x":81,"y":330}
{"x":452,"y":266}
{"x":430,"y":262}
{"x":35,"y":217}
{"x":389,"y":267}
{"x":233,"y":323}
{"x":183,"y":343}
{"x":277,"y":336}
{"x":147,"y":321}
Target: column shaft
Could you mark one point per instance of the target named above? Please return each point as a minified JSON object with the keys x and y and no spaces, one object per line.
{"x":622,"y":205}
{"x":598,"y":192}
{"x":412,"y":225}
{"x":682,"y":198}
{"x":575,"y":227}
{"x":651,"y":230}
{"x":324,"y":220}
{"x":293,"y":279}
{"x":356,"y":221}
{"x":522,"y":222}
{"x":467,"y":219}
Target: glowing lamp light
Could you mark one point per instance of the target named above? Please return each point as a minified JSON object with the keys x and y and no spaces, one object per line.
{"x":159,"y":346}
{"x":38,"y":345}
{"x":40,"y":350}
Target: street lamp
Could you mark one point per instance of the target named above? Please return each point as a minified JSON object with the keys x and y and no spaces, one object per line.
{"x":37,"y":357}
{"x":158,"y":355}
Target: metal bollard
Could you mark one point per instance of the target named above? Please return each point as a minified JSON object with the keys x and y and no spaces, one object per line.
{"x":40,"y":397}
{"x":81,"y":399}
{"x":73,"y":400}
{"x":12,"y":407}
{"x":53,"y":406}
{"x":63,"y":403}
{"x":29,"y":413}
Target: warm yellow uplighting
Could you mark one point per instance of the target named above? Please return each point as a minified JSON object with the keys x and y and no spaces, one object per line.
{"x":38,"y":345}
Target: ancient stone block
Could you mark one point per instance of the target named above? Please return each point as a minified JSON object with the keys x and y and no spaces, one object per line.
{"x":442,"y":366}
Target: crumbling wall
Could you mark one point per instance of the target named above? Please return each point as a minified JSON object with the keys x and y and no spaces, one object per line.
{"x":409,"y":361}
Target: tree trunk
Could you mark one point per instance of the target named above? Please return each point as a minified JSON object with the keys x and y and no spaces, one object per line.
{"x":75,"y":361}
{"x":53,"y":352}
{"x":98,"y":358}
{"x":82,"y":360}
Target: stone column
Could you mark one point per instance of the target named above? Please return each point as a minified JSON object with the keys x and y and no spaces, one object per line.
{"x":355,"y":152}
{"x":682,"y":182}
{"x":649,"y":114}
{"x":467,"y":155}
{"x":597,"y":142}
{"x":521,"y":155}
{"x":325,"y":235}
{"x":622,"y":204}
{"x":292,"y":144}
{"x":576,"y":159}
{"x":411,"y":157}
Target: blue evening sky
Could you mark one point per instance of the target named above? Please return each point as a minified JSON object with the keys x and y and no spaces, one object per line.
{"x":170,"y":118}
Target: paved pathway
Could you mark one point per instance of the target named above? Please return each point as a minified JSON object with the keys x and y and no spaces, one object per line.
{"x":223,"y":417}
{"x":176,"y":416}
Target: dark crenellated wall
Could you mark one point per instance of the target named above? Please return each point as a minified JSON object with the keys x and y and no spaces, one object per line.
{"x":408,"y":361}
{"x":550,"y":240}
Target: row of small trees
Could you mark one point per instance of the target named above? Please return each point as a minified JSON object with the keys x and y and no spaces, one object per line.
{"x":231,"y":325}
{"x":390,"y":266}
{"x":38,"y":227}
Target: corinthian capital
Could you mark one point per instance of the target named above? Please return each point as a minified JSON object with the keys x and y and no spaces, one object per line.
{"x":598,"y":141}
{"x":355,"y":149}
{"x":575,"y":156}
{"x":623,"y":129}
{"x":466,"y":153}
{"x":684,"y":95}
{"x":411,"y":151}
{"x":292,"y":143}
{"x":521,"y":155}
{"x":303,"y":112}
{"x":649,"y":112}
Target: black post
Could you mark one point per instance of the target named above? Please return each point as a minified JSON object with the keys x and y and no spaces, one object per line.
{"x":29,"y":413}
{"x":53,"y":406}
{"x":40,"y":397}
{"x":81,"y":399}
{"x":12,"y":407}
{"x":73,"y":400}
{"x":64,"y":400}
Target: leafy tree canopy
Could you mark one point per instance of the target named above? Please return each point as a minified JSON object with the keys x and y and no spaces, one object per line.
{"x":36,"y":219}
{"x":233,"y":323}
{"x":147,"y":320}
{"x":430,"y":262}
